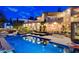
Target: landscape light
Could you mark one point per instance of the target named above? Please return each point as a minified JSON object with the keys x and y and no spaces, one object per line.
{"x":55,"y":23}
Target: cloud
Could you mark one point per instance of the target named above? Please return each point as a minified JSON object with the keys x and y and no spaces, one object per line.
{"x":23,"y":16}
{"x":12,"y":9}
{"x":24,"y":13}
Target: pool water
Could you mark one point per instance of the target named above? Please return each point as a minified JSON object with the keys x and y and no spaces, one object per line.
{"x":25,"y":46}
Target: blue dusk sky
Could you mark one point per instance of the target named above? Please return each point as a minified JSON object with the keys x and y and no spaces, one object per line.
{"x":24,"y":12}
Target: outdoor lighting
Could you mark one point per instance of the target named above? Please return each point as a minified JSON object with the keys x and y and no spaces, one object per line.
{"x":76,"y":9}
{"x":38,"y":41}
{"x":33,"y":41}
{"x":75,"y":16}
{"x":55,"y":45}
{"x":52,"y":25}
{"x":38,"y":18}
{"x":29,"y":24}
{"x":30,"y":40}
{"x":55,"y":23}
{"x":38,"y":23}
{"x":33,"y":24}
{"x":45,"y":24}
{"x":68,"y":10}
{"x":24,"y":25}
{"x":24,"y":38}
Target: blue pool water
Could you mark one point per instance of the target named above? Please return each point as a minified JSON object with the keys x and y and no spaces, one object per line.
{"x":23,"y":46}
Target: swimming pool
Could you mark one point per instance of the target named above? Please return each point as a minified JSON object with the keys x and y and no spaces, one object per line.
{"x":25,"y":46}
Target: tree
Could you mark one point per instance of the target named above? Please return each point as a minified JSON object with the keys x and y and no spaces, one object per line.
{"x":59,"y":10}
{"x":32,"y":18}
{"x":24,"y":30}
{"x":11,"y":21}
{"x":2,"y":18}
{"x":17,"y":23}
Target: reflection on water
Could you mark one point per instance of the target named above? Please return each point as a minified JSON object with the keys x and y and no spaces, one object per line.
{"x":23,"y":45}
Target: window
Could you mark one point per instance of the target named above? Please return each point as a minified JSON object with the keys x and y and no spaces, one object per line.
{"x":75,"y":32}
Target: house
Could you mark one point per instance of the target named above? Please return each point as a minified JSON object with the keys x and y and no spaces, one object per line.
{"x":7,"y":25}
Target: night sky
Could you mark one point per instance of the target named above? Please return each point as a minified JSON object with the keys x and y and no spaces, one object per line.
{"x":24,"y":12}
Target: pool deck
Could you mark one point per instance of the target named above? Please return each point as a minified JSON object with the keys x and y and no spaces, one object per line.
{"x":60,"y":39}
{"x":4,"y":45}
